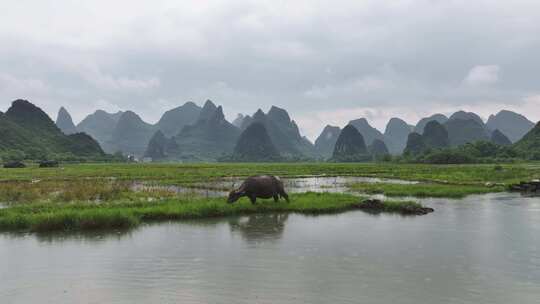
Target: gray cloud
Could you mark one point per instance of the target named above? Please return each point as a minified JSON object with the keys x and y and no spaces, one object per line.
{"x":319,"y":59}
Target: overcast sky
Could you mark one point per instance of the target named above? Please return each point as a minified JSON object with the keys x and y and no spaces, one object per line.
{"x":324,"y":61}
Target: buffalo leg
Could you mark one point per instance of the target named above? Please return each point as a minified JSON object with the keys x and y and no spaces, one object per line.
{"x":276,"y":198}
{"x":253,"y":199}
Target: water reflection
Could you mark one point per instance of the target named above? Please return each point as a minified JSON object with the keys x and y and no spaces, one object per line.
{"x":92,"y":236}
{"x":95,"y":236}
{"x":259,"y":227}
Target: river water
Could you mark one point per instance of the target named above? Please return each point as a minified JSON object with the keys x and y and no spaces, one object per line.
{"x":482,"y":249}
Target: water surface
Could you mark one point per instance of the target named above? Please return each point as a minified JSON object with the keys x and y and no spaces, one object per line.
{"x":220,"y":188}
{"x":482,"y":249}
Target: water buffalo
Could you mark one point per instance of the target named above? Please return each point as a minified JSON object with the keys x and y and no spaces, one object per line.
{"x":263,"y":186}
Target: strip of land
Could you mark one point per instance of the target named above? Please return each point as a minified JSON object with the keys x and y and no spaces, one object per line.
{"x":39,"y":217}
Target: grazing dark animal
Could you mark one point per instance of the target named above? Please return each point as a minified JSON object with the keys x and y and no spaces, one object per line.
{"x":14,"y":164}
{"x":263,"y":186}
{"x":48,"y":164}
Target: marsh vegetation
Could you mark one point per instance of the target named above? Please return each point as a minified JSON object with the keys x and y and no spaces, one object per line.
{"x":90,"y":196}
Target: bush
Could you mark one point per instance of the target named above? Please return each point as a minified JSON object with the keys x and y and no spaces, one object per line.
{"x":448,"y":156}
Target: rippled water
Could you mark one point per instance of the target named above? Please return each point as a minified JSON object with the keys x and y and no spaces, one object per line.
{"x":482,"y":249}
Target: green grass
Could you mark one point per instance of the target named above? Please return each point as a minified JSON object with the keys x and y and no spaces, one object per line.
{"x":84,"y":216}
{"x":200,"y":172}
{"x":424,"y":189}
{"x":91,"y":196}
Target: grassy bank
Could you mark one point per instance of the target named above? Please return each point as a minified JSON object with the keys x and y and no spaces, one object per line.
{"x":85,"y":216}
{"x":424,"y":189}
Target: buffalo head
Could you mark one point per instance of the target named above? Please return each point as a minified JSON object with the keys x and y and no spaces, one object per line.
{"x":234,"y":195}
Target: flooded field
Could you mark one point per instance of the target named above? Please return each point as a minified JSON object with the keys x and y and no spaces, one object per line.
{"x":220,"y":188}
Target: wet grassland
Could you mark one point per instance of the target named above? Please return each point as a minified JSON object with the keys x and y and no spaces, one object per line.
{"x":102,"y":196}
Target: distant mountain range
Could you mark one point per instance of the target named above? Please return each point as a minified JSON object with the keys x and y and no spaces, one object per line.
{"x":28,"y":132}
{"x":193,"y":129}
{"x":194,"y":133}
{"x":466,"y":127}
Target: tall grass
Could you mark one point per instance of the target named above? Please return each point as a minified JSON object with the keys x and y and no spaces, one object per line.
{"x":95,"y":190}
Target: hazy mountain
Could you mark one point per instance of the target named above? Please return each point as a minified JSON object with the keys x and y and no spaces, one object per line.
{"x":378,"y":148}
{"x":100,"y":126}
{"x":160,"y":147}
{"x":435,"y":135}
{"x":368,"y":132}
{"x":31,"y":118}
{"x":64,"y":122}
{"x":284,"y":133}
{"x":26,"y":128}
{"x":283,"y":142}
{"x":324,"y":144}
{"x":396,"y":134}
{"x":462,"y":131}
{"x":499,"y":138}
{"x":511,"y":124}
{"x":350,"y":146}
{"x":131,"y":134}
{"x":415,"y":144}
{"x":209,"y":138}
{"x":208,"y":109}
{"x":530,"y":143}
{"x":281,"y":119}
{"x":440,"y":118}
{"x":255,"y":145}
{"x":172,"y":121}
{"x":237,"y":122}
{"x":246,"y":121}
{"x":467,"y":115}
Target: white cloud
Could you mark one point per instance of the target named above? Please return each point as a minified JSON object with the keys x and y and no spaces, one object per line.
{"x":355,"y":87}
{"x":95,"y":76}
{"x":21,"y":84}
{"x":483,"y":75}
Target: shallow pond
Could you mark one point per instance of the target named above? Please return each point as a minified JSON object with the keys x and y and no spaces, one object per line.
{"x":220,"y":188}
{"x":482,"y":249}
